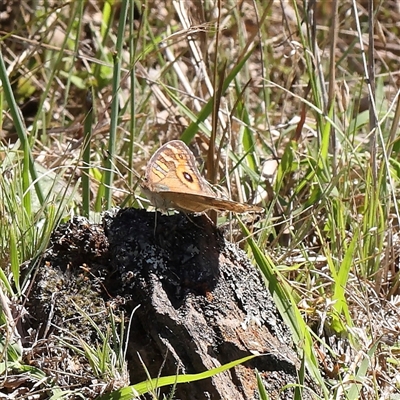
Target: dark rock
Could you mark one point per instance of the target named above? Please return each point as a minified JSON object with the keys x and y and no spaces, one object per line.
{"x":198,"y":302}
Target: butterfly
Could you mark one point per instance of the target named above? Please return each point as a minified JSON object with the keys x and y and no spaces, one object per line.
{"x":173,"y":181}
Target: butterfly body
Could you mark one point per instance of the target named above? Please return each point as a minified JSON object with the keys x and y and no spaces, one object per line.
{"x":172,"y":180}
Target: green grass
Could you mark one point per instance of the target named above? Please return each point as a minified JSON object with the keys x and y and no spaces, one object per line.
{"x":257,"y":84}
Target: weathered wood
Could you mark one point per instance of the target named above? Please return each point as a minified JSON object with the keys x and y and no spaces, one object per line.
{"x":201,"y":303}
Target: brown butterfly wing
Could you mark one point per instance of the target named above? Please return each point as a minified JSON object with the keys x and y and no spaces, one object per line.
{"x":234,"y":206}
{"x":200,"y":203}
{"x":172,"y":180}
{"x":173,"y":168}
